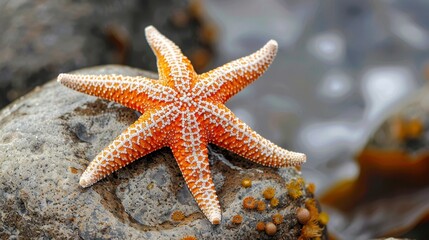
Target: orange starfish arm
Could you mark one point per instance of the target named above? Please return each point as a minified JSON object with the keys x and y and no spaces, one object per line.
{"x":191,"y":155}
{"x":145,"y":135}
{"x":224,"y":82}
{"x":231,"y":133}
{"x":184,"y":111}
{"x":173,"y":66}
{"x":139,"y":93}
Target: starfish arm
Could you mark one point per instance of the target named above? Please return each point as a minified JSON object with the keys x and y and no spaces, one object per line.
{"x":145,"y":135}
{"x":133,"y":92}
{"x":173,"y":66}
{"x":231,"y":133}
{"x":224,"y":82}
{"x":191,"y":155}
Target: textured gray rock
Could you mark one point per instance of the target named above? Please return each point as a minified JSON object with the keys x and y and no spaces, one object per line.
{"x":47,"y":139}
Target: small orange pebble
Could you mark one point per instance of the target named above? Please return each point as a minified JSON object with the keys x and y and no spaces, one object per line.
{"x":311,"y":188}
{"x":246,"y":182}
{"x":261,"y":206}
{"x":177,"y":216}
{"x":303,"y":215}
{"x":269,"y":193}
{"x":294,"y":189}
{"x":249,"y":202}
{"x":323,"y":218}
{"x":260,"y":226}
{"x":73,"y":170}
{"x":189,"y":238}
{"x":274,"y":202}
{"x":277,"y":218}
{"x":270,"y":228}
{"x":237,"y":219}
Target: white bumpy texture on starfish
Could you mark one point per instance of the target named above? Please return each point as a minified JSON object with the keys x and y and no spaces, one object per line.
{"x":184,"y":111}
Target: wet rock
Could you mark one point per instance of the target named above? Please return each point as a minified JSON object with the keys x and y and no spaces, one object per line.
{"x":46,"y":141}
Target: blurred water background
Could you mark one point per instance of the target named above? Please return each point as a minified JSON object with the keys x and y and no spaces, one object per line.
{"x":342,"y":67}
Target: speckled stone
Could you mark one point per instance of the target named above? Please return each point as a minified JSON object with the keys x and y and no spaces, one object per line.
{"x":47,"y":139}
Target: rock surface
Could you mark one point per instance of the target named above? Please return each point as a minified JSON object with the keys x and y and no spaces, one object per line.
{"x":47,"y":139}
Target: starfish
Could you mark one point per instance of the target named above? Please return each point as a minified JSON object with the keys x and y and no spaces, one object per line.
{"x":185,"y":111}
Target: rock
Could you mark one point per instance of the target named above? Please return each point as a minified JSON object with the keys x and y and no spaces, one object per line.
{"x":391,"y":191}
{"x":47,"y":139}
{"x":41,"y":38}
